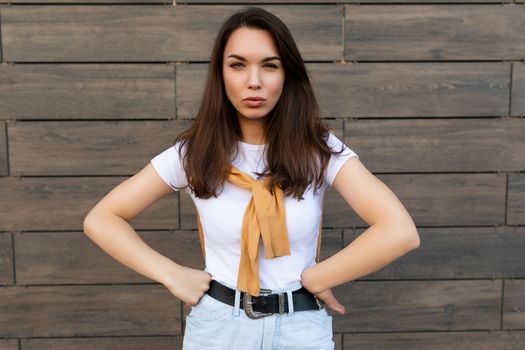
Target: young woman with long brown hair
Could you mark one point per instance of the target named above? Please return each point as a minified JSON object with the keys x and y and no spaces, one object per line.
{"x":256,"y":162}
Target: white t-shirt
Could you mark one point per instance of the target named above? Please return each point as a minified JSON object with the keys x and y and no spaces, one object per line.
{"x":221,"y":217}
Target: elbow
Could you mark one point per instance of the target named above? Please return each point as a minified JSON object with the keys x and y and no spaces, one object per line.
{"x":413,"y":241}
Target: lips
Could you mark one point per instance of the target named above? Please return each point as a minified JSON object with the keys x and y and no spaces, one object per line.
{"x":254,"y":98}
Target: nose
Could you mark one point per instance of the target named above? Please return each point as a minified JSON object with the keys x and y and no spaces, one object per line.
{"x":254,"y":80}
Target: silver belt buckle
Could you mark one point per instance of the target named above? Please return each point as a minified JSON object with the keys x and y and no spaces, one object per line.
{"x":247,"y":305}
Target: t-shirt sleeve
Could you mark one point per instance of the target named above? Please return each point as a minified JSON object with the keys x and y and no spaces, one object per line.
{"x":337,"y":160}
{"x":169,"y":167}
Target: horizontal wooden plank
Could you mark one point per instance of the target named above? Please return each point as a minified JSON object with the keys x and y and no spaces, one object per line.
{"x":516,"y":199}
{"x":62,"y":203}
{"x":104,"y":310}
{"x":418,"y":306}
{"x":6,"y":260}
{"x":52,"y":257}
{"x":518,"y":89}
{"x":88,"y":147}
{"x":45,"y":2}
{"x":476,"y":340}
{"x":131,"y":343}
{"x":146,"y":33}
{"x":9,"y":344}
{"x":434,"y":32}
{"x":86,"y":91}
{"x":412,"y":89}
{"x":386,"y":89}
{"x":456,"y":253}
{"x":514,"y":305}
{"x":338,"y":2}
{"x":433,"y":200}
{"x":439,"y":145}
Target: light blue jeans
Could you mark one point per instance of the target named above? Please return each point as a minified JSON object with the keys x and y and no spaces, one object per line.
{"x":212,"y":324}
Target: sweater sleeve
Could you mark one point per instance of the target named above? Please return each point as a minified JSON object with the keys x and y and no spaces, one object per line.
{"x":168,"y":165}
{"x":337,"y":160}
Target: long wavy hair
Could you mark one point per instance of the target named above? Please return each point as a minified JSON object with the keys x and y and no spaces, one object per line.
{"x":297,"y":153}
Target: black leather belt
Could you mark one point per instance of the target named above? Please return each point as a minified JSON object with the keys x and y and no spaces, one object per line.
{"x":265,"y":304}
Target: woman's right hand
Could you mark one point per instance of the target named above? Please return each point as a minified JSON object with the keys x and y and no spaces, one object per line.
{"x":188,"y":284}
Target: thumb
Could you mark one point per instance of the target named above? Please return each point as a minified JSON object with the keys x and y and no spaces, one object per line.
{"x":332,"y":303}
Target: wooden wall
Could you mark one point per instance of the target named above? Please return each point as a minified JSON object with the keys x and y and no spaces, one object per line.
{"x":430,"y":94}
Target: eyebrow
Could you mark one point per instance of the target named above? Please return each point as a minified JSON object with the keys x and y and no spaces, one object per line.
{"x":264,"y":60}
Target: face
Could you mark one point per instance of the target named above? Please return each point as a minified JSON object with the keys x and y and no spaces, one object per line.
{"x":252,"y":67}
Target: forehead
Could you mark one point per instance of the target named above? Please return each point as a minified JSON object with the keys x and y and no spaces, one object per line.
{"x":254,"y":44}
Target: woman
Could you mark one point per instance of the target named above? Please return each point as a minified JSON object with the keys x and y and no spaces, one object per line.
{"x":256,"y":162}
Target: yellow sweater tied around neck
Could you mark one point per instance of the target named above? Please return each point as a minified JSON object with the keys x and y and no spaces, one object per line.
{"x":264,"y":218}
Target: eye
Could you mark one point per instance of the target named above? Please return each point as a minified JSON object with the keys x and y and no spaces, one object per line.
{"x":271,"y":65}
{"x":235,"y":64}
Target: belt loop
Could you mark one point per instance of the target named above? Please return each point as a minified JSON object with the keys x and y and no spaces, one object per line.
{"x":290,"y":301}
{"x":237,"y":306}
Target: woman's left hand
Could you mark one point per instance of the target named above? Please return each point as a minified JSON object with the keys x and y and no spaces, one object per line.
{"x":325,"y":296}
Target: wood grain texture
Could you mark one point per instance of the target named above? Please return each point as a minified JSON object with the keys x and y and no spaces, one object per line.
{"x":87,"y":91}
{"x":4,"y":165}
{"x":434,"y":32}
{"x":62,"y":203}
{"x":401,"y":306}
{"x":52,"y":257}
{"x":457,"y":253}
{"x":476,"y":340}
{"x":89,"y":310}
{"x":6,"y":260}
{"x":147,"y":34}
{"x":439,"y":145}
{"x":518,"y":89}
{"x":514,"y":305}
{"x":433,"y":199}
{"x":516,"y":199}
{"x":116,"y":343}
{"x":113,"y":147}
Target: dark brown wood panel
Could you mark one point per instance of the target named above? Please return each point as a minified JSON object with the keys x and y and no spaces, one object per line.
{"x":88,"y":147}
{"x":518,"y":89}
{"x":45,"y":2}
{"x":516,"y":199}
{"x":4,"y":165}
{"x":434,"y":32}
{"x":476,"y":340}
{"x":9,"y":344}
{"x":103,"y":310}
{"x":118,"y":343}
{"x":6,"y":260}
{"x":146,"y":33}
{"x":439,"y":145}
{"x":62,"y":203}
{"x":52,"y":257}
{"x":333,"y":1}
{"x":419,"y":306}
{"x":514,"y":305}
{"x":431,"y":89}
{"x":457,"y":253}
{"x":433,"y":200}
{"x":87,"y":91}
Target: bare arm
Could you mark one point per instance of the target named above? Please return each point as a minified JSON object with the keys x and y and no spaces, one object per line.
{"x":107,"y":224}
{"x":392,"y":232}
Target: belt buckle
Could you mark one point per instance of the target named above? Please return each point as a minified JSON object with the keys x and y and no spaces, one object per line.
{"x":247,"y":305}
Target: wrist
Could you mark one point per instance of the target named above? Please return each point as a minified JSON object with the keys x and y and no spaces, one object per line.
{"x":169,"y":273}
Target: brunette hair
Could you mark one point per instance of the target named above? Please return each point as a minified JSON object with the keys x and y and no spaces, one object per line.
{"x":297,"y":153}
